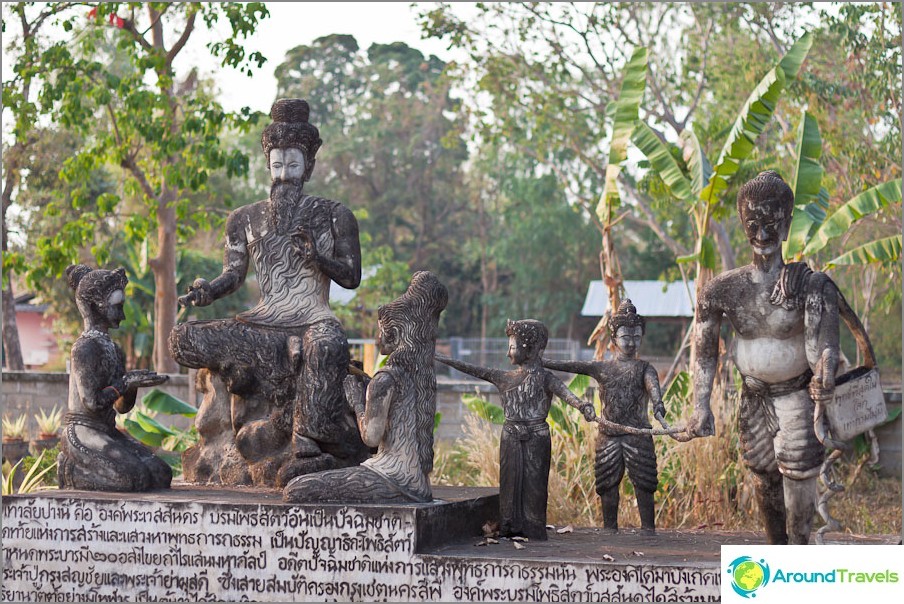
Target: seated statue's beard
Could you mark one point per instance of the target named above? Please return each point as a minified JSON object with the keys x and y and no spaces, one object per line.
{"x":285,"y":196}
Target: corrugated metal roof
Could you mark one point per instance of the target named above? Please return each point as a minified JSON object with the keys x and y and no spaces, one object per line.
{"x":651,"y":298}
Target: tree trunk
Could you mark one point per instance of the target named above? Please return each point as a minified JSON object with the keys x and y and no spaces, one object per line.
{"x":164,"y":268}
{"x":610,"y":270}
{"x":12,"y":350}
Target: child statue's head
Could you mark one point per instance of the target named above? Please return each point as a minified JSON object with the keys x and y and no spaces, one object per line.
{"x":627,"y":328}
{"x":527,"y":339}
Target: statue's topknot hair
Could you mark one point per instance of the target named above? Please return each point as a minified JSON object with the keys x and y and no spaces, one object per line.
{"x":626,"y":316}
{"x":291,"y":130}
{"x":290,"y":111}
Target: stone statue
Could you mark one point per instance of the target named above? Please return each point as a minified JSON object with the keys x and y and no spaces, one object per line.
{"x":95,"y":456}
{"x":284,"y":361}
{"x":525,"y":446}
{"x":396,"y":414}
{"x":786,"y":318}
{"x":626,"y":384}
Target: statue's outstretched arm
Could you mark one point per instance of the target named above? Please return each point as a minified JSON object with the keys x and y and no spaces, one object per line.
{"x":557,"y":387}
{"x":494,"y":376}
{"x":584,"y":367}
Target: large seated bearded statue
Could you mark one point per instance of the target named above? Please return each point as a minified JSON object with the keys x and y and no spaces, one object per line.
{"x":274,"y":406}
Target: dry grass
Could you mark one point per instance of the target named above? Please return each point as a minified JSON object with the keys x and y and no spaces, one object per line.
{"x":702,"y":483}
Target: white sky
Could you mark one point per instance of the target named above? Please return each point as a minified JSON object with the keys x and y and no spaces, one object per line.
{"x":294,"y":23}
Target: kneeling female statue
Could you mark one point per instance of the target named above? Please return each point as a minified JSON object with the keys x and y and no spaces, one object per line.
{"x":95,"y":455}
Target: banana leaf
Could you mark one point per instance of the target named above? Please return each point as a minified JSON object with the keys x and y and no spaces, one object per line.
{"x":883,"y":251}
{"x":696,"y":160}
{"x":751,"y":121}
{"x":484,"y":409}
{"x":657,"y":151}
{"x":871,"y":200}
{"x":807,"y":186}
{"x":151,"y":439}
{"x":624,"y":118}
{"x":163,"y":402}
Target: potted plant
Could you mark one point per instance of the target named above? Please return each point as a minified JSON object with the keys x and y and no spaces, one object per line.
{"x":15,"y":447}
{"x":48,"y":429}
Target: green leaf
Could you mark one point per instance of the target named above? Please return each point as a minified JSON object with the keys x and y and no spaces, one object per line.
{"x":149,"y":424}
{"x":708,"y":252}
{"x":696,"y":160}
{"x":437,"y":418}
{"x":484,"y":409}
{"x":657,"y":151}
{"x":579,"y":384}
{"x":561,"y":418}
{"x":754,"y":116}
{"x":624,"y":116}
{"x":750,"y":123}
{"x":151,"y":439}
{"x":796,"y":56}
{"x":865,"y":203}
{"x":679,"y":391}
{"x":883,"y":251}
{"x":163,"y":402}
{"x":807,"y":185}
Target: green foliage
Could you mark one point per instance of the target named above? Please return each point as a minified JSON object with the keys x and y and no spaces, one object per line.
{"x":484,"y":409}
{"x":885,"y":251}
{"x":36,"y":477}
{"x":164,"y":402}
{"x":841,"y":219}
{"x":625,"y":113}
{"x":171,"y":441}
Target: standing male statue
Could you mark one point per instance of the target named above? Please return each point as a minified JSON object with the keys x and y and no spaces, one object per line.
{"x":290,"y":345}
{"x":786,"y":318}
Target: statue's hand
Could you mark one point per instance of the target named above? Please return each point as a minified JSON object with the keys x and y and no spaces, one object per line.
{"x":822,"y":384}
{"x":198,"y":294}
{"x":589,"y":412}
{"x":305,"y":246}
{"x":659,"y":413}
{"x":701,"y":423}
{"x":143,"y":378}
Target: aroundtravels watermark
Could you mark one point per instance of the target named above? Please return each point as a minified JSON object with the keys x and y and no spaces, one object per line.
{"x":776,"y":573}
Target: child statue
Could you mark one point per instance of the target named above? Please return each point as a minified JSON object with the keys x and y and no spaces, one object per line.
{"x":525,"y":446}
{"x":396,"y":413}
{"x":626,"y":384}
{"x":95,"y":455}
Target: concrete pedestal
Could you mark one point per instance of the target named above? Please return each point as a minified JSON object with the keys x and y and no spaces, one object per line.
{"x":199,"y":544}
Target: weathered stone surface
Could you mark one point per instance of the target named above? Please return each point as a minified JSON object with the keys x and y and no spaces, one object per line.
{"x":94,"y":455}
{"x":395,"y":409}
{"x":786,"y":320}
{"x":283,"y":363}
{"x":627,"y":386}
{"x":229,"y":545}
{"x":525,"y":444}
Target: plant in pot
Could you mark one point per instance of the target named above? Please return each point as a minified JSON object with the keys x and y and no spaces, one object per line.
{"x":49,"y":425}
{"x":15,"y":447}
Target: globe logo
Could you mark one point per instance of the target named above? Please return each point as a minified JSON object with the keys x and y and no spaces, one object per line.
{"x":748,"y":575}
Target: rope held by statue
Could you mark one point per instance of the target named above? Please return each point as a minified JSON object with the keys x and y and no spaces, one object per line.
{"x":665,"y":430}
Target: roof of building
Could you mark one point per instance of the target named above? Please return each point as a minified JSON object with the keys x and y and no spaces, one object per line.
{"x":651,"y":298}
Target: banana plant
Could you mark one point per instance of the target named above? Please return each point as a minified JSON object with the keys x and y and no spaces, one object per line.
{"x":624,"y":113}
{"x":812,"y":228}
{"x":701,"y":191}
